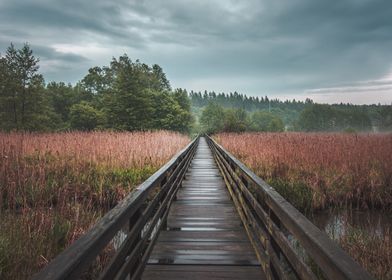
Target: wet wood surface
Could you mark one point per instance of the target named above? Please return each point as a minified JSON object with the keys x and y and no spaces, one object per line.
{"x":204,"y":238}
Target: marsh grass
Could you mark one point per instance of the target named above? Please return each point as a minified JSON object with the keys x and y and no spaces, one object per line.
{"x":372,"y":251}
{"x":319,"y":171}
{"x":340,"y":170}
{"x":54,"y":187}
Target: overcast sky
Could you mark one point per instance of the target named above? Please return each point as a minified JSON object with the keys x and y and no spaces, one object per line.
{"x":327,"y":50}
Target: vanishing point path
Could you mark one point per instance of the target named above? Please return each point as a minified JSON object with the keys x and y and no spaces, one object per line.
{"x":204,"y":238}
{"x":205,"y":215}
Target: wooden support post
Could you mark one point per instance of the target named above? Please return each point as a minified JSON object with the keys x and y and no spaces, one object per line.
{"x":132,"y":221}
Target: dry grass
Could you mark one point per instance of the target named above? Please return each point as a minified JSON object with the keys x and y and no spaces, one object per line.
{"x":372,"y":251}
{"x":323,"y":170}
{"x":53,"y":187}
{"x":317,"y":170}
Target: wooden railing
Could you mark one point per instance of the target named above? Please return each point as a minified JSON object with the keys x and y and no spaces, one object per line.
{"x":287,"y":244}
{"x":137,"y":218}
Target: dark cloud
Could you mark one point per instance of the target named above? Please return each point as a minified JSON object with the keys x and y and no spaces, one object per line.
{"x":280,"y":47}
{"x":49,"y":54}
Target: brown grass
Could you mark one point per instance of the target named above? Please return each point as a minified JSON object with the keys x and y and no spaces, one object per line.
{"x":324,"y":170}
{"x":317,"y":170}
{"x":372,"y":251}
{"x":54,"y":187}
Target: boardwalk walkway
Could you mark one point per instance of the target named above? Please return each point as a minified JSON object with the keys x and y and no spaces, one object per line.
{"x":204,"y":238}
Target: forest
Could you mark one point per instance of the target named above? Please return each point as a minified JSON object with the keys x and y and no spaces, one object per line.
{"x":129,"y":95}
{"x":264,"y":114}
{"x":125,"y":95}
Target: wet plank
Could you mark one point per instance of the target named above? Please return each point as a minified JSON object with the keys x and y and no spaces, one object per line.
{"x":204,"y":238}
{"x":193,"y":272}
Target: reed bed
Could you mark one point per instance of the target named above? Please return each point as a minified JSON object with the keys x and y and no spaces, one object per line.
{"x":372,"y":251}
{"x":318,"y":170}
{"x":54,"y":187}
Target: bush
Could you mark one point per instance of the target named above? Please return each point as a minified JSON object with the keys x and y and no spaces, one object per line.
{"x":266,"y":121}
{"x":83,"y":116}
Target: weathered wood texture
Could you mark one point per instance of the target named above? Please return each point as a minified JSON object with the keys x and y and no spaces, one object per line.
{"x":204,"y":238}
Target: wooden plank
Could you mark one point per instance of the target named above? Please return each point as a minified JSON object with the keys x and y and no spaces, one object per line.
{"x":234,"y":222}
{"x":213,"y":247}
{"x":203,"y":259}
{"x":203,"y":236}
{"x":196,"y":272}
{"x":204,"y":231}
{"x":202,"y":210}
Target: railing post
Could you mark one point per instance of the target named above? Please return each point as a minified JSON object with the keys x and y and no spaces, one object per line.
{"x":132,"y":221}
{"x":163,"y":182}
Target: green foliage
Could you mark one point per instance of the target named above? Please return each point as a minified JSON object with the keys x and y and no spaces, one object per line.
{"x":129,"y":102}
{"x":350,"y":130}
{"x":85,"y":117}
{"x":126,"y":95}
{"x":170,"y":113}
{"x":159,"y":82}
{"x":235,"y":120}
{"x":318,"y":117}
{"x":135,"y":96}
{"x":130,"y":95}
{"x":248,"y":103}
{"x":386,"y":118}
{"x":23,"y":102}
{"x":212,"y":118}
{"x":297,"y":193}
{"x":129,"y":176}
{"x":185,"y":118}
{"x":315,"y":117}
{"x":60,"y":230}
{"x":266,"y":121}
{"x":63,"y":97}
{"x":97,"y":81}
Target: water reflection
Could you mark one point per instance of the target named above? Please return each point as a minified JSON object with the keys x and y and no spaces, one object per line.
{"x":336,"y":222}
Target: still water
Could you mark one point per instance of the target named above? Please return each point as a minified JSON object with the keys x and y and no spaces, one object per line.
{"x":336,"y":222}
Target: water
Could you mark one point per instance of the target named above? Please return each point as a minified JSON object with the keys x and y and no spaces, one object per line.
{"x":336,"y":222}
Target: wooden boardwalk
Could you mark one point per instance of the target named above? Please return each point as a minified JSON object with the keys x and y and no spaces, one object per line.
{"x":208,"y":231}
{"x":204,"y":238}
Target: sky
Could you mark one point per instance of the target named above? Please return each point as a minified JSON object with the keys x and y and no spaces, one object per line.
{"x":331,"y":51}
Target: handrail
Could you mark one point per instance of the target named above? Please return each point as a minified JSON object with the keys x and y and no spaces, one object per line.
{"x":274,"y":227}
{"x":142,"y":213}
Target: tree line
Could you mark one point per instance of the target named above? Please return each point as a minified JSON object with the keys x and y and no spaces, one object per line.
{"x":248,"y":103}
{"x":125,"y":95}
{"x":215,"y":118}
{"x":295,"y":115}
{"x":131,"y":95}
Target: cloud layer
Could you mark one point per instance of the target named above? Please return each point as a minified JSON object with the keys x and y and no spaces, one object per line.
{"x":283,"y":48}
